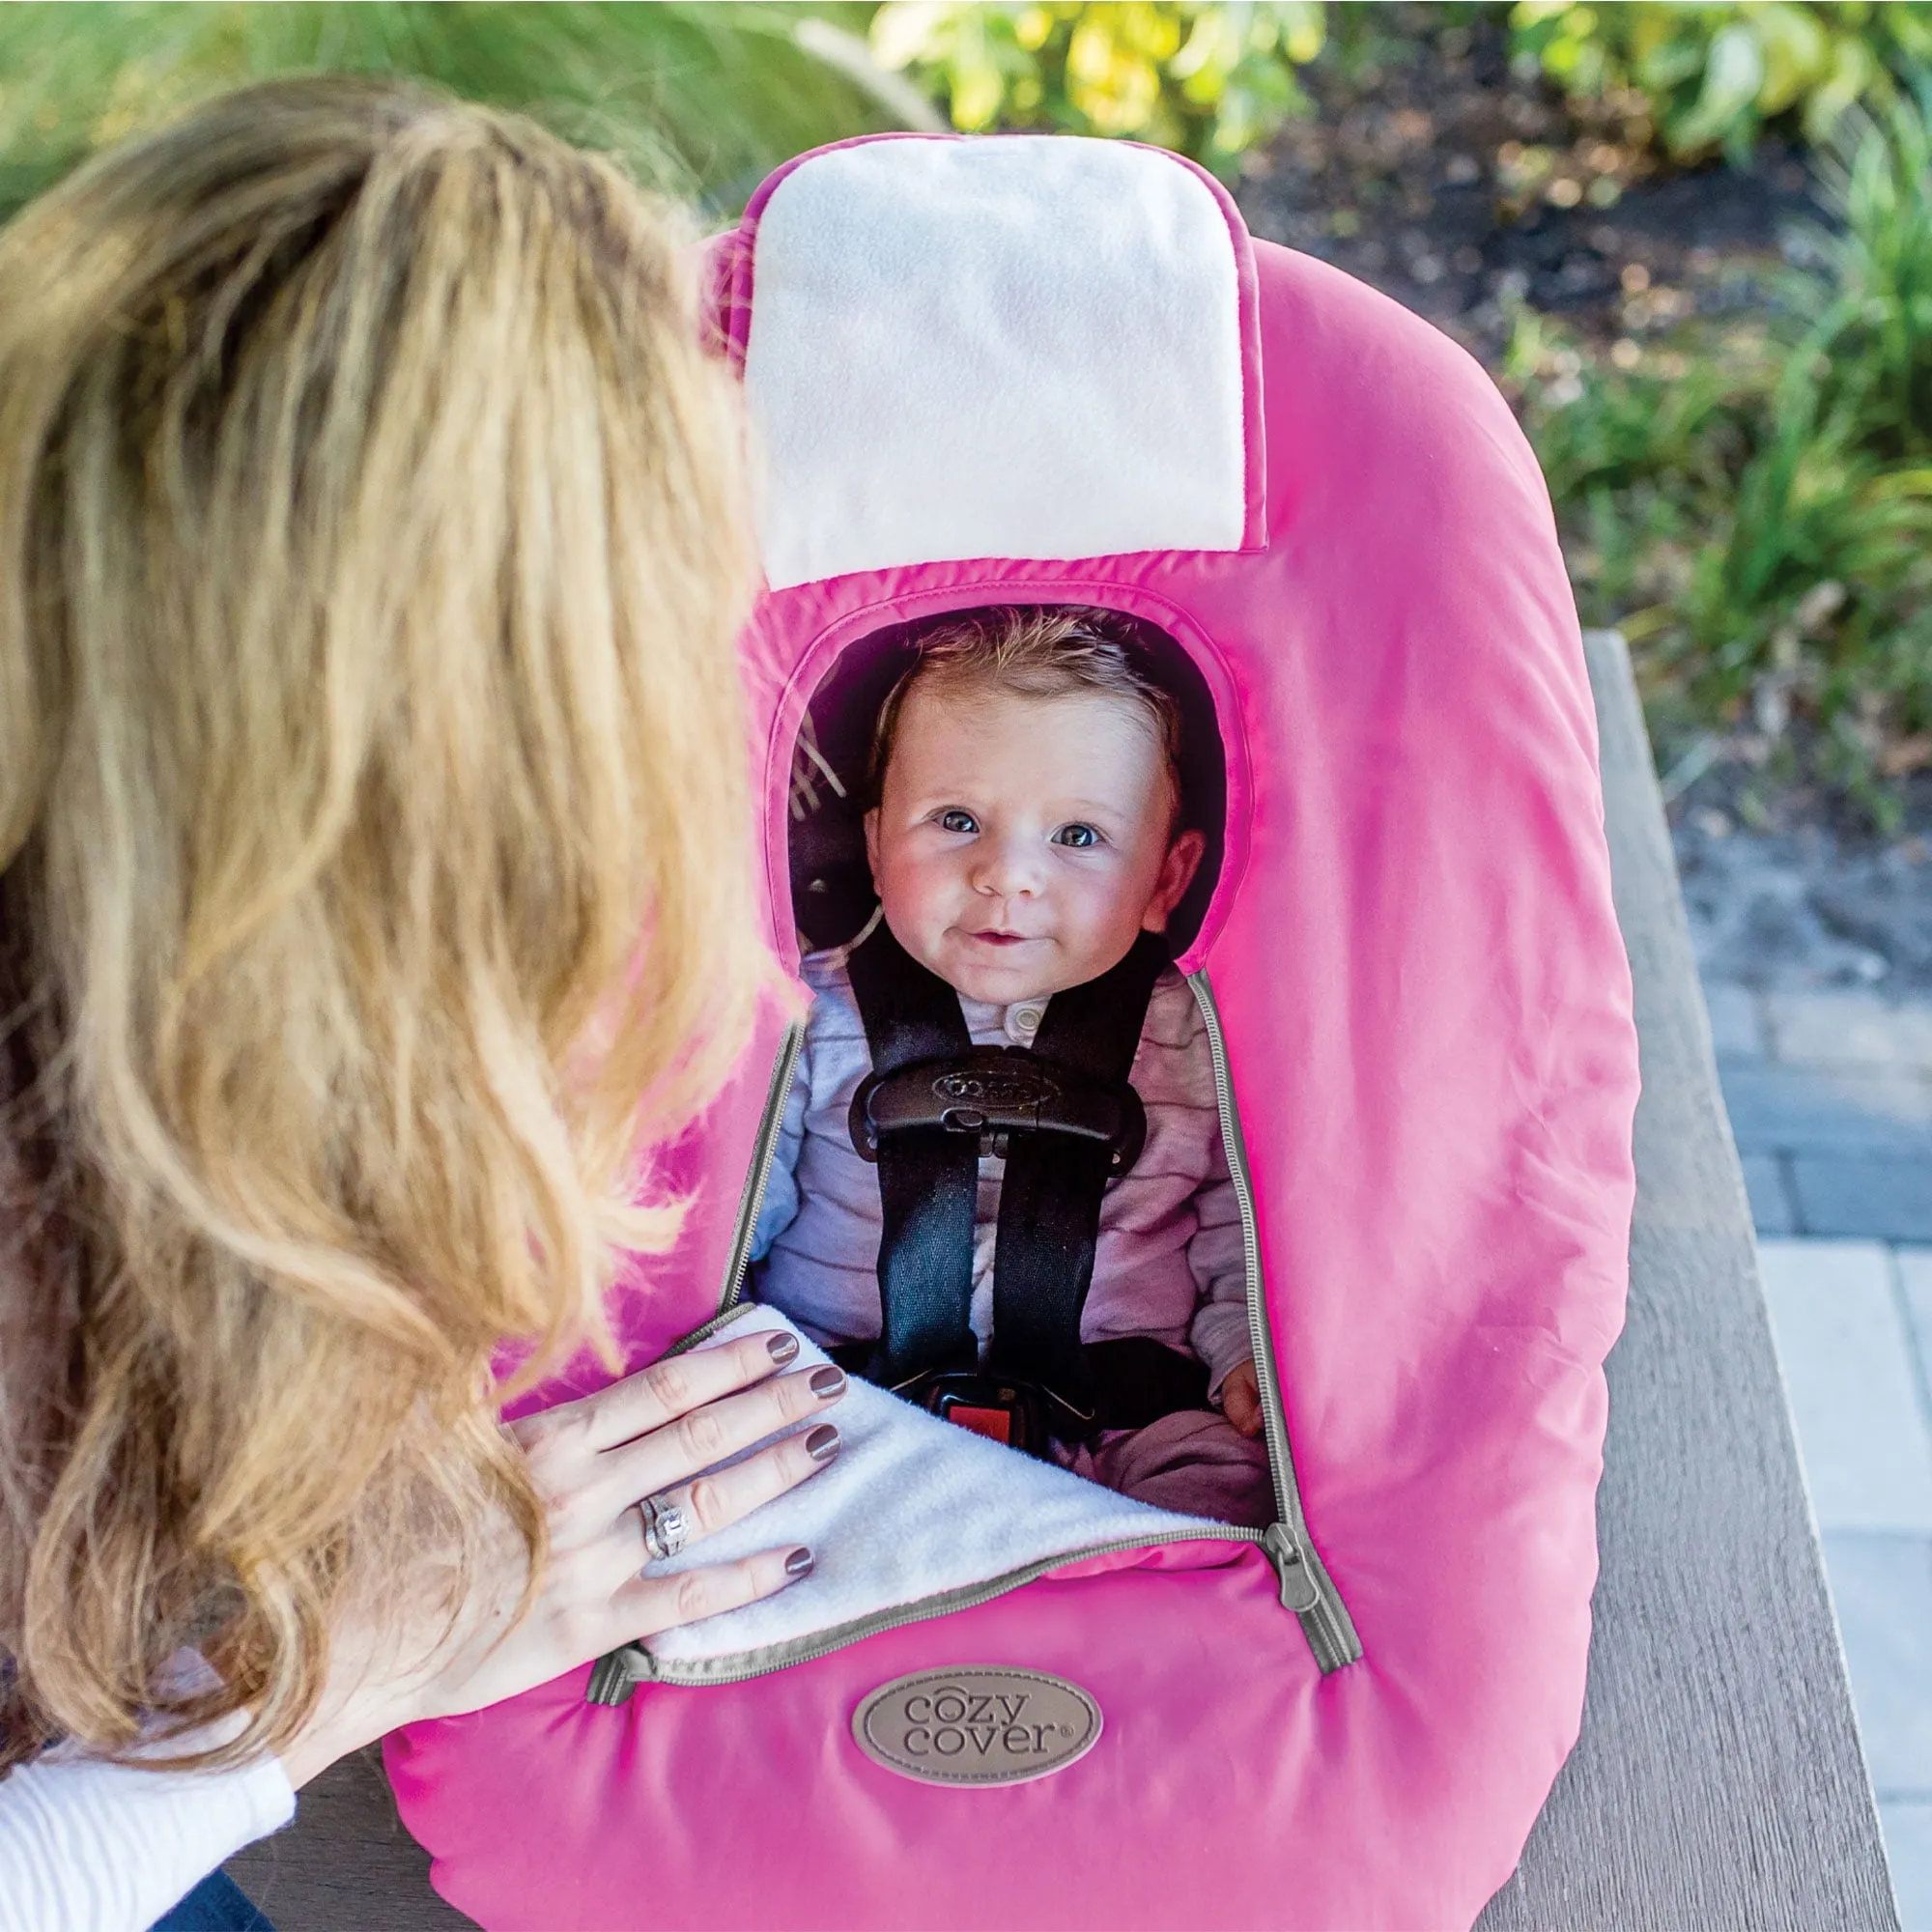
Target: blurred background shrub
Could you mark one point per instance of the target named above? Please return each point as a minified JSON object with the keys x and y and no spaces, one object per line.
{"x":1213,"y":81}
{"x":700,"y":99}
{"x":1751,"y":500}
{"x":1713,"y":72}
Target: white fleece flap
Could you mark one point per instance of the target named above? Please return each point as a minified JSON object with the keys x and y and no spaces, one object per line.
{"x":1000,"y":348}
{"x":910,"y":1507}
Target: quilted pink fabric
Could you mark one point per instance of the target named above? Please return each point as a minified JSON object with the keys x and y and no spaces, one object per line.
{"x":1428,"y":1018}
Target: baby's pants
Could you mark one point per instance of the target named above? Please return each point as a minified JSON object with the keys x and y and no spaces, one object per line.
{"x":1194,"y":1462}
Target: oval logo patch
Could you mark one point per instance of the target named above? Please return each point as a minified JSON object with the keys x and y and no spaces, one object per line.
{"x":977,"y":1725}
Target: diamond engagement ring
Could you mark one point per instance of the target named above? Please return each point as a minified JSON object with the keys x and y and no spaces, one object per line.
{"x":666,"y":1528}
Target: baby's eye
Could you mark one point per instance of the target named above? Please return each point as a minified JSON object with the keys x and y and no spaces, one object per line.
{"x":1076,"y":834}
{"x":956,"y":820}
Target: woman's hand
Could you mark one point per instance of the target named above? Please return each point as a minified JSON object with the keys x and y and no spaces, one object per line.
{"x":591,"y":1462}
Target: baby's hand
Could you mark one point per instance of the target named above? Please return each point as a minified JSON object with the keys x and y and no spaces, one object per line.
{"x":1241,"y":1399}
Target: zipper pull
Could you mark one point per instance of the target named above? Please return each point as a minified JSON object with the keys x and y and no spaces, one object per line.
{"x":618,"y":1673}
{"x":1300,"y":1591}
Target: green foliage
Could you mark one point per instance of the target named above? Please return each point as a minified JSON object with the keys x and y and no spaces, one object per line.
{"x":696,"y":97}
{"x":1716,"y":70}
{"x":1879,"y":179}
{"x":1212,"y":80}
{"x":1757,"y":514}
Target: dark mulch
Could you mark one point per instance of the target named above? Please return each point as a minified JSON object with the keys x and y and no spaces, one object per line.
{"x":1462,"y":188}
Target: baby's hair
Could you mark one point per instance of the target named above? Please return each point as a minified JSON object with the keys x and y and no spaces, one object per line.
{"x":1035,"y":650}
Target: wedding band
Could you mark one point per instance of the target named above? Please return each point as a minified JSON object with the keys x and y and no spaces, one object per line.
{"x":666,"y":1528}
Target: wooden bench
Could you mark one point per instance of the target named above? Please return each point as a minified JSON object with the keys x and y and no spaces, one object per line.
{"x":1718,"y":1783}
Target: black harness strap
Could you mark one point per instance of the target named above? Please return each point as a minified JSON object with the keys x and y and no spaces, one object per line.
{"x":1056,"y":1174}
{"x":929,"y":1178}
{"x":1050,"y":1198}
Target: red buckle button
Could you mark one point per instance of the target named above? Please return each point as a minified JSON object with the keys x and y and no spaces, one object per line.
{"x":995,"y":1424}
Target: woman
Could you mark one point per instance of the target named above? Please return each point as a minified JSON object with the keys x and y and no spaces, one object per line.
{"x":372,"y":895}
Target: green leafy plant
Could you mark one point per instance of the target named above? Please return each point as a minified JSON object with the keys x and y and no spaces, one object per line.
{"x":1716,"y":70}
{"x":1755,"y":506}
{"x":1212,"y":80}
{"x":697,"y":98}
{"x":1877,"y":292}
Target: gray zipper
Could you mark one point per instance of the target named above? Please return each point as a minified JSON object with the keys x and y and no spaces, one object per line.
{"x":1306,"y":1586}
{"x":621,"y":1671}
{"x":751,"y":1202}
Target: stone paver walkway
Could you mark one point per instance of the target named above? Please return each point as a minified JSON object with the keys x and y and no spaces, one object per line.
{"x":1816,"y":960}
{"x":1831,"y":1100}
{"x":1830,"y":1094}
{"x":1854,"y":1325}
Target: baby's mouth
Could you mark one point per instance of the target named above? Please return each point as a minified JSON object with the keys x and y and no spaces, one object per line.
{"x":996,"y":936}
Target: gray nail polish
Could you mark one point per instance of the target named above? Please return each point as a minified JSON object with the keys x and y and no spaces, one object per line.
{"x":822,"y":1444}
{"x":784,"y":1348}
{"x":799,"y":1563}
{"x":826,"y":1382}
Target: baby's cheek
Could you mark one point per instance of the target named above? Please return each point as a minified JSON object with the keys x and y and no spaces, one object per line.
{"x":909,"y":898}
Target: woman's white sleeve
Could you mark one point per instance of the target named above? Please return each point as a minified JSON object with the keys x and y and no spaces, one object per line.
{"x":92,"y":1847}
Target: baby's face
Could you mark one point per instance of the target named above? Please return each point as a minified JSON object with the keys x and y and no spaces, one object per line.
{"x":1021,"y":844}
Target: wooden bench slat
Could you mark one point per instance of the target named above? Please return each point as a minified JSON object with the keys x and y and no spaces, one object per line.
{"x":1718,"y":1783}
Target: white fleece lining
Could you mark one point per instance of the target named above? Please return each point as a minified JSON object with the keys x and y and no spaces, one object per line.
{"x":1022,"y":347}
{"x":910,"y":1507}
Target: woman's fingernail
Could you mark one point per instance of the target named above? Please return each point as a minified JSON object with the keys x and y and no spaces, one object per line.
{"x":822,"y":1444}
{"x":799,"y":1563}
{"x":826,"y":1382}
{"x":784,"y":1348}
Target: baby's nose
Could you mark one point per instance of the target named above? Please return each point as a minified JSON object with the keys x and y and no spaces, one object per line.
{"x":1005,"y":868}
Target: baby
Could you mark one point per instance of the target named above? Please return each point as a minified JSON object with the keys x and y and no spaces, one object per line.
{"x":1025,"y":833}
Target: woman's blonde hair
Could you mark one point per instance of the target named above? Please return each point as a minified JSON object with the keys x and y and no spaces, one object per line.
{"x":374,"y":857}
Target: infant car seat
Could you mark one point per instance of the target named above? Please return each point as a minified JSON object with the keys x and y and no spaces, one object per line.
{"x":1045,"y":370}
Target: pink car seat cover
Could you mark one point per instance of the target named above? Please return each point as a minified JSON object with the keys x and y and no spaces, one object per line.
{"x":1428,"y":1022}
